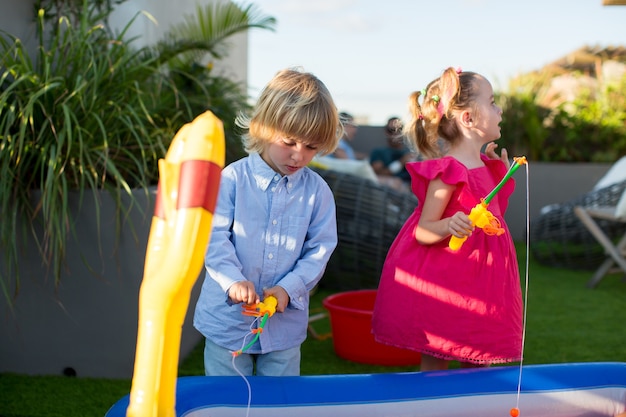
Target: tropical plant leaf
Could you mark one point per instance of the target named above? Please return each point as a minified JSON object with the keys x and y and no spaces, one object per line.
{"x":89,"y":112}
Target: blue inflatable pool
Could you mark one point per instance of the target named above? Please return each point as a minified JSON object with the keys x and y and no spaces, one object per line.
{"x":564,"y":390}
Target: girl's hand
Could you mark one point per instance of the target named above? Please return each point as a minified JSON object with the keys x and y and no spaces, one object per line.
{"x":490,"y":151}
{"x":281,"y":296}
{"x":460,"y":225}
{"x":243,"y":292}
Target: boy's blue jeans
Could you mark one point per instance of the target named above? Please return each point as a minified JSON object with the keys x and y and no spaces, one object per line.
{"x":218,"y":361}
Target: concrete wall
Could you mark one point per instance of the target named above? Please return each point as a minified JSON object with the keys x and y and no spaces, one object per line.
{"x":368,"y":138}
{"x":87,"y":325}
{"x":17,"y":19}
{"x":548,"y":183}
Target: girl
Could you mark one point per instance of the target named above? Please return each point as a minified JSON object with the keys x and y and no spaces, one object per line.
{"x":463,"y":305}
{"x":274,"y":229}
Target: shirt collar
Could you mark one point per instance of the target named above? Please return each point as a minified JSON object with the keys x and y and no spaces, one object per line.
{"x":264,"y":174}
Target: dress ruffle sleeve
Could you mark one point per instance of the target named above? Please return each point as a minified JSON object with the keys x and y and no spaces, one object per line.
{"x":453,"y":172}
{"x":449,"y":170}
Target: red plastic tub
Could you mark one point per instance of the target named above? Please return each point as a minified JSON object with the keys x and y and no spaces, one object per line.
{"x":351,"y":325}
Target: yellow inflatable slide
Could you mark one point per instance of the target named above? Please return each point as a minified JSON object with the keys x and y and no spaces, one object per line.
{"x":189,"y":179}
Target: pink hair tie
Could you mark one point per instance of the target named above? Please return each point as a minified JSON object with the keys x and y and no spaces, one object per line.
{"x":459,"y":70}
{"x":437,"y":100}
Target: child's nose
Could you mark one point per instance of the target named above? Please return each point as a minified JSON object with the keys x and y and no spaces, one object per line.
{"x":297,"y":155}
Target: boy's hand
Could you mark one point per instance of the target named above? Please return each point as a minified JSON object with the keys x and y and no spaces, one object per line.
{"x":281,"y":296}
{"x":243,"y":292}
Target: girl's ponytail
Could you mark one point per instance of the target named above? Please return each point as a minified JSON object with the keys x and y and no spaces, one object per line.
{"x":433,"y":119}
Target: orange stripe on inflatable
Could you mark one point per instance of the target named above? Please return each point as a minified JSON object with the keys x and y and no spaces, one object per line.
{"x":198,"y":185}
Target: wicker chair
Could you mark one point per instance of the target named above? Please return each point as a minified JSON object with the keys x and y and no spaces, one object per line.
{"x":369,"y":216}
{"x":559,"y":239}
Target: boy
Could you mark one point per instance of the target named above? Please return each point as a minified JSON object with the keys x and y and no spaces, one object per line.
{"x":274,"y":229}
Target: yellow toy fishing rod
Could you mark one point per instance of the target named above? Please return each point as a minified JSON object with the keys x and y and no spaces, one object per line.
{"x":263,"y":309}
{"x":483,"y":218}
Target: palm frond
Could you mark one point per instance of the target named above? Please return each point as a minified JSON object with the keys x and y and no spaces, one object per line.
{"x":208,"y":30}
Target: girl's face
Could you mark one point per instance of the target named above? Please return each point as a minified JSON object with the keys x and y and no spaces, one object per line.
{"x":286,"y":156}
{"x":488,"y":115}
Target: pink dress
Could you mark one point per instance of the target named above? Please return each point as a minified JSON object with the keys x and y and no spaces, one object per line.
{"x":464,"y":305}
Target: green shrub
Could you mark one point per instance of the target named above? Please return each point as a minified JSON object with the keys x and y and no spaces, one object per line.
{"x":90,"y":112}
{"x":590,"y":128}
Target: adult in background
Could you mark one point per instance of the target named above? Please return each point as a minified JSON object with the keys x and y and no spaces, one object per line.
{"x":344,"y":149}
{"x":388,"y":162}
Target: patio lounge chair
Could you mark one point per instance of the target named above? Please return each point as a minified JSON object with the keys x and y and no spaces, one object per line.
{"x":615,"y":253}
{"x":560,"y":239}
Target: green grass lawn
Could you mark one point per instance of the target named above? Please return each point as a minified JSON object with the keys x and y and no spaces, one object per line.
{"x":567,"y":322}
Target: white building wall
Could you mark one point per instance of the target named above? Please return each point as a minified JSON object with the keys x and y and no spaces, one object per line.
{"x":17,"y":19}
{"x":167,"y":13}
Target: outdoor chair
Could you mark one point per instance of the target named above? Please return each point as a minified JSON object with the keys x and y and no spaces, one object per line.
{"x":615,"y":253}
{"x":560,"y":239}
{"x":369,"y":216}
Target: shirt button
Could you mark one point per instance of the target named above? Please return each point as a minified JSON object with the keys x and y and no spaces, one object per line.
{"x":273,"y":189}
{"x":290,"y":185}
{"x":270,"y":256}
{"x":274,"y":222}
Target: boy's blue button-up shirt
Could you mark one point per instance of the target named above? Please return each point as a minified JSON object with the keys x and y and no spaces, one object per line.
{"x":271,"y":230}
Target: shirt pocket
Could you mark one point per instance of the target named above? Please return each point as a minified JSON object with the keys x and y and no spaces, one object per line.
{"x":297,"y":228}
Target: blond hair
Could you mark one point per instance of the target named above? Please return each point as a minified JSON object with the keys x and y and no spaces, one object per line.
{"x":434,"y":118}
{"x":296,"y":105}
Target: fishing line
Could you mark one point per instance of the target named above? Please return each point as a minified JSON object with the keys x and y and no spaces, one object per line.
{"x":515,"y":411}
{"x":241,"y":374}
{"x":261,"y":310}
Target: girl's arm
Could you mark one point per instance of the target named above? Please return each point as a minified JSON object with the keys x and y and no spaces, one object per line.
{"x":432,"y":228}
